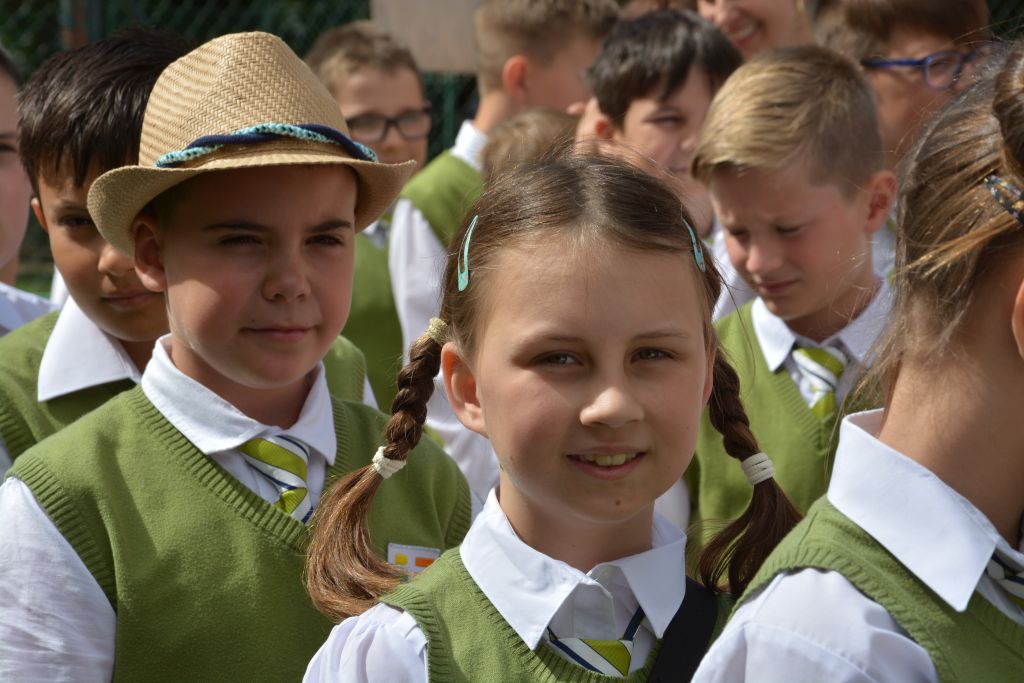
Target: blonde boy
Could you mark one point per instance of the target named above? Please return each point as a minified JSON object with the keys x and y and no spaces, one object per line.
{"x":162,"y":535}
{"x":793,"y":160}
{"x":531,"y":53}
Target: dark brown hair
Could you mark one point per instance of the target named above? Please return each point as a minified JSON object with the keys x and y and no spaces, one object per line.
{"x":86,"y":105}
{"x":653,"y":55}
{"x":952,"y":229}
{"x":863,"y":28}
{"x":537,"y":28}
{"x":584,"y":198}
{"x":636,"y":8}
{"x":340,"y":52}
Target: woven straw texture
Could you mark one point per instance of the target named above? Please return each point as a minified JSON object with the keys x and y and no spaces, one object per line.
{"x":232,"y":82}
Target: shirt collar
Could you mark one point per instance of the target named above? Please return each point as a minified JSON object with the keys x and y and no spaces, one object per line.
{"x":74,"y":338}
{"x":18,"y":307}
{"x":941,"y":537}
{"x":214,"y":425}
{"x":469,"y":143}
{"x":528,"y":588}
{"x":857,"y":338}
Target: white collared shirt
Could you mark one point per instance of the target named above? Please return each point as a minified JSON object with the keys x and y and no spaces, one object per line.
{"x":55,"y":621}
{"x":18,"y":307}
{"x":813,"y":625}
{"x":74,"y":337}
{"x":736,"y":292}
{"x":531,"y":591}
{"x":856,"y":340}
{"x":416,"y":261}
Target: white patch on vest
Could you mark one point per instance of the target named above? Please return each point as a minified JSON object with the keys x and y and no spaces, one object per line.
{"x":411,"y":559}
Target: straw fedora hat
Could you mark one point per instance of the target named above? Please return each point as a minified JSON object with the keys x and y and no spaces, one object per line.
{"x":238,"y":101}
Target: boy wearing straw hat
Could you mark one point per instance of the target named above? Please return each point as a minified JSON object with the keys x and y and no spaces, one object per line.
{"x":81,"y":115}
{"x":161,"y":536}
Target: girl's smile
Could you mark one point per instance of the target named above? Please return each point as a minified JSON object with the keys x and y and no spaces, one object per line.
{"x":589,"y":379}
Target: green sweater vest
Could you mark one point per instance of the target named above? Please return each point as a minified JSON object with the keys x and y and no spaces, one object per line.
{"x":443,"y":192}
{"x":24,"y":421}
{"x":468,"y":640}
{"x":204,"y":575}
{"x":373,"y":321}
{"x":980,"y":644}
{"x":800,"y":445}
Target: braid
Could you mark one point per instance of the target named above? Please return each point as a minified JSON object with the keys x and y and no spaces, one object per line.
{"x":742,"y":547}
{"x":344,"y":573}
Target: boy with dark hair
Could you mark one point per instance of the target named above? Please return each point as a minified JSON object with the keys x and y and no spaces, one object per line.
{"x":377,"y":85}
{"x":653,"y":81}
{"x":914,"y":52}
{"x":531,"y":53}
{"x":81,"y":115}
{"x":161,"y":537}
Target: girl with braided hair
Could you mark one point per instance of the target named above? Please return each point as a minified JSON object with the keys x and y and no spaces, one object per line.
{"x":575,"y":333}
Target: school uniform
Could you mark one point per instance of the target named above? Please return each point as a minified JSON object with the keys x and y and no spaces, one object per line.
{"x":430,"y":210}
{"x":62,"y":366}
{"x":885,"y":580}
{"x":18,"y":307}
{"x":778,"y":396}
{"x":140,"y":544}
{"x":502,"y":603}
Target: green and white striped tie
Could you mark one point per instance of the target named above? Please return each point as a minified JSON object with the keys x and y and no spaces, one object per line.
{"x":821,"y":367}
{"x":282,"y":460}
{"x":1009,"y":575}
{"x":608,"y":657}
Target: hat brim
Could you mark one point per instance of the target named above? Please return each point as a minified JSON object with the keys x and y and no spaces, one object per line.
{"x":118,"y":196}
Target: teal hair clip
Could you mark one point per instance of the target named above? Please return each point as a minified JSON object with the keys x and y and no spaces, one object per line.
{"x":698,"y":251}
{"x":464,"y":256}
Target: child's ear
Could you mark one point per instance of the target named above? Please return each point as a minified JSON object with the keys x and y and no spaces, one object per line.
{"x":881,"y":195}
{"x":514,"y":77}
{"x":149,"y":263}
{"x":460,"y":384}
{"x":594,"y":125}
{"x":37,"y":209}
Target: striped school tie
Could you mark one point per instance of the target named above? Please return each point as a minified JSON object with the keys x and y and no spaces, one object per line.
{"x":282,"y":461}
{"x":608,"y":657}
{"x":1009,"y":575}
{"x":821,"y":367}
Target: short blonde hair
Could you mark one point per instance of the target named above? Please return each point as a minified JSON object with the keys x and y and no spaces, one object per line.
{"x":795,"y":103}
{"x":536,"y":28}
{"x":527,"y":136}
{"x":340,"y":52}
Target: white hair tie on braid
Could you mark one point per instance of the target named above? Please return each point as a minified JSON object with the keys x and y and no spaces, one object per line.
{"x":758,"y":468}
{"x":385,"y":467}
{"x":438,"y":331}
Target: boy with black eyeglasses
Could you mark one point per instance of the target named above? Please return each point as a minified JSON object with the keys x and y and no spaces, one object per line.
{"x":916,"y":54}
{"x":377,"y":85}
